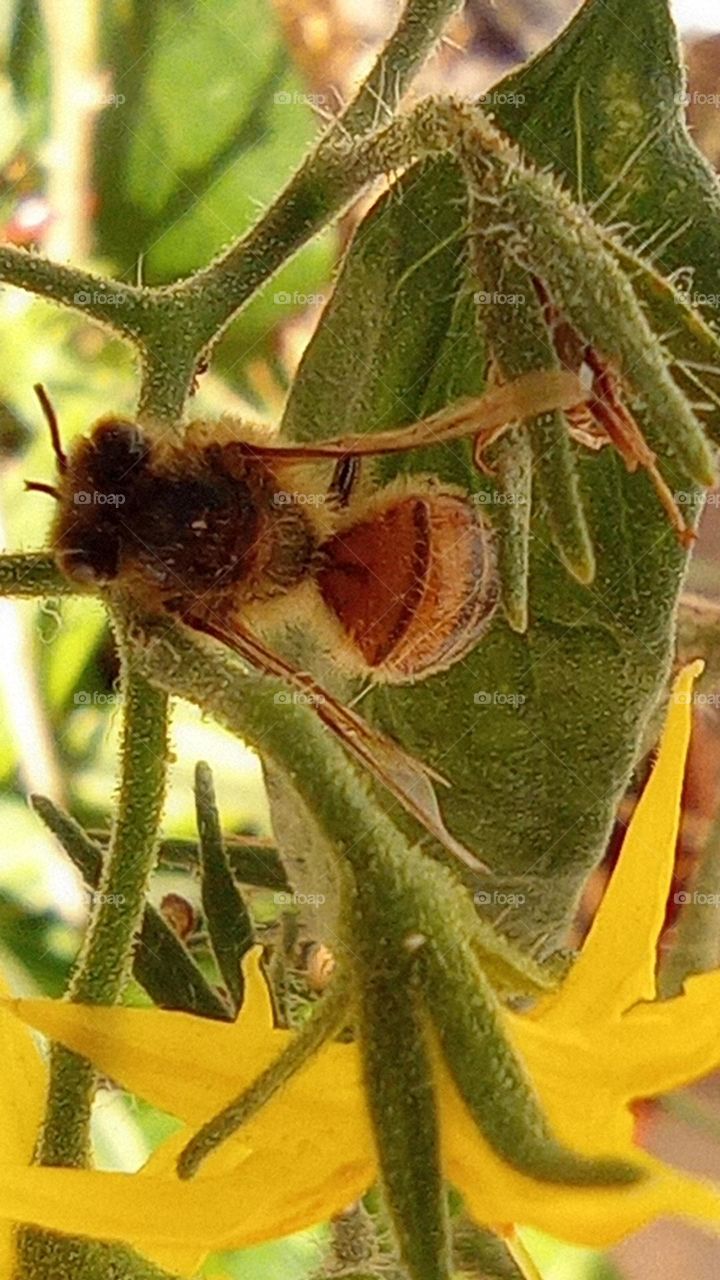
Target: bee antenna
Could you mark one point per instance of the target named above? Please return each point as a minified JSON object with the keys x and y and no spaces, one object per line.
{"x":51,"y":418}
{"x":37,"y":486}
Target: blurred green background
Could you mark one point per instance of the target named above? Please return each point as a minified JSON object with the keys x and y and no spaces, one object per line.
{"x":138,"y":139}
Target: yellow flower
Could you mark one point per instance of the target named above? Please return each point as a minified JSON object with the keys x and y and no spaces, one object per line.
{"x":22,"y":1102}
{"x":600,"y":1042}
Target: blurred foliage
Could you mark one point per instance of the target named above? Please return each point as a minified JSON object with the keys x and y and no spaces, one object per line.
{"x":202,"y":118}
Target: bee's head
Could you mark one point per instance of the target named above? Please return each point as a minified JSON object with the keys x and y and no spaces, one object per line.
{"x":97,"y":485}
{"x":89,"y":555}
{"x":115,"y":454}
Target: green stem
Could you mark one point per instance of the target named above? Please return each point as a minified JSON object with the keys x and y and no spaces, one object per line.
{"x":414,"y":38}
{"x":290,"y":734}
{"x":321,"y":189}
{"x":104,"y":964}
{"x":161,"y":963}
{"x":105,"y":959}
{"x":326,"y":1019}
{"x":254,"y":860}
{"x":342,"y":164}
{"x":170,"y":352}
{"x":33,"y":573}
{"x":92,"y":295}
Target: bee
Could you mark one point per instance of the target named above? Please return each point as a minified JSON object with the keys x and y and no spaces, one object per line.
{"x":226,"y":529}
{"x":400,"y":583}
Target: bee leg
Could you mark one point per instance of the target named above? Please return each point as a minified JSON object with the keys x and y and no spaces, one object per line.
{"x":346,"y":474}
{"x":624,"y":433}
{"x":480,"y":443}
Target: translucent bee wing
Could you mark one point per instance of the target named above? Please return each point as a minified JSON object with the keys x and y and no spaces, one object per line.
{"x":525,"y":397}
{"x":406,"y":778}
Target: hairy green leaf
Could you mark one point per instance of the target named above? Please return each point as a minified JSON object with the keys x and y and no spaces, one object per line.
{"x":537,"y":733}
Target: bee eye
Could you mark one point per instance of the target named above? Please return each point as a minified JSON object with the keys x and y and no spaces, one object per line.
{"x":92,"y":559}
{"x":119,"y":447}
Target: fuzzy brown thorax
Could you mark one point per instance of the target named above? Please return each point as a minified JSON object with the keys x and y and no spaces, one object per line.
{"x":182,"y":522}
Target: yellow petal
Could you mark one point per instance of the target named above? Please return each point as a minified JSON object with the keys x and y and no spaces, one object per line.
{"x":616,"y":967}
{"x":312,"y":1144}
{"x":22,"y":1103}
{"x":667,"y":1044}
{"x":580,"y":1084}
{"x":22,"y":1096}
{"x":496,"y":1194}
{"x":304,"y":1158}
{"x":183,"y":1064}
{"x":223,"y":1213}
